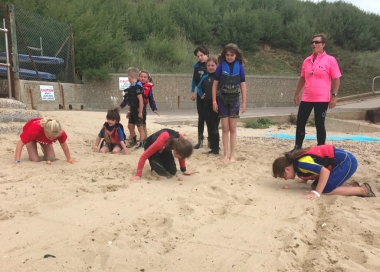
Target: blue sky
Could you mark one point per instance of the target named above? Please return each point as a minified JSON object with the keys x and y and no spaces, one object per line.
{"x":366,"y":5}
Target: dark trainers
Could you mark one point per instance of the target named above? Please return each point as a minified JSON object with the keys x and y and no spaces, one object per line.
{"x":141,"y":145}
{"x":132,"y":142}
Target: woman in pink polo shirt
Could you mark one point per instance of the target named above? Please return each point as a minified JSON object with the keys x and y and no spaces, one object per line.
{"x":317,"y":73}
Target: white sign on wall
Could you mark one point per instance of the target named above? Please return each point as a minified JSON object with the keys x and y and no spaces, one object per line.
{"x":123,"y":83}
{"x":47,"y":92}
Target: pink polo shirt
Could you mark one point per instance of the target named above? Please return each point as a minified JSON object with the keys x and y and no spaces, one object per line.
{"x":318,"y":75}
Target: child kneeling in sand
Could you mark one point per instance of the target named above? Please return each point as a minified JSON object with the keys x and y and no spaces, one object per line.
{"x":331,"y":167}
{"x":45,"y":132}
{"x":160,"y":149}
{"x":113,"y":134}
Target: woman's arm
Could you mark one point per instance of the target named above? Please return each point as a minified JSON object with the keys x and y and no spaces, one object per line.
{"x":301,"y":83}
{"x":334,"y":90}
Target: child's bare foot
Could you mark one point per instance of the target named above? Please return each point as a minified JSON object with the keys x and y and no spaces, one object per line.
{"x":232,"y":159}
{"x":225,"y":158}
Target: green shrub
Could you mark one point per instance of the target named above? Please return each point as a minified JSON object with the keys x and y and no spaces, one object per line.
{"x":261,"y":123}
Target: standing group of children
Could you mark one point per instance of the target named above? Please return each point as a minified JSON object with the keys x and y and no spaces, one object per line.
{"x":220,"y":82}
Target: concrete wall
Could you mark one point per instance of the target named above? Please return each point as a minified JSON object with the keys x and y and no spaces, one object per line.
{"x":65,"y":94}
{"x":170,"y":91}
{"x":173,"y":91}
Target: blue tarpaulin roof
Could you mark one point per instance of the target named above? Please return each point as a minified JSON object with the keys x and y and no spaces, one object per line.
{"x":36,"y":59}
{"x":30,"y":74}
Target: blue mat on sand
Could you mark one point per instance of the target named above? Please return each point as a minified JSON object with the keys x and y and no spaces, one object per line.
{"x":357,"y":138}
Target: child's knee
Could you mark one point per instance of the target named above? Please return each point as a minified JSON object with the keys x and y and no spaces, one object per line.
{"x":34,"y":159}
{"x":160,"y":171}
{"x":172,"y":171}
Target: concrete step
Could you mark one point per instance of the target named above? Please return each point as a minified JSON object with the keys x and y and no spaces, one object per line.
{"x":11,"y":128}
{"x":349,"y":126}
{"x":17,"y":115}
{"x":11,"y":104}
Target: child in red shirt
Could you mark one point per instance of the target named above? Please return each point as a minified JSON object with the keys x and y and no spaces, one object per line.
{"x":45,"y":132}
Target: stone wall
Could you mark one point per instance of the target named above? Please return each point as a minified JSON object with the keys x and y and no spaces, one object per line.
{"x":170,"y":91}
{"x":67,"y":95}
{"x":173,"y":91}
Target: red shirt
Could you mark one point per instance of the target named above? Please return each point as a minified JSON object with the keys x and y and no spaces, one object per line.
{"x":32,"y":131}
{"x":158,"y":145}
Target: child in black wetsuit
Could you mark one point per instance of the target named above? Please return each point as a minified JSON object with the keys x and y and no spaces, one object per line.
{"x":212,"y":118}
{"x":201,"y":52}
{"x":134,"y":98}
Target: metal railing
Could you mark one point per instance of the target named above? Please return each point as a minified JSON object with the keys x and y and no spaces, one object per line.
{"x":7,"y":64}
{"x":373,"y":85}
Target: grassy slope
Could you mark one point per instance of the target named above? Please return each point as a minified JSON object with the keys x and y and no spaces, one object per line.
{"x":355,"y":78}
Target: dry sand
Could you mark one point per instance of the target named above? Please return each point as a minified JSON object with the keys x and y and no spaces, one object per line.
{"x":226,"y":217}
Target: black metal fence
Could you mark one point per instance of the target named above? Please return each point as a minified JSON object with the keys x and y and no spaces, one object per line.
{"x":41,"y":47}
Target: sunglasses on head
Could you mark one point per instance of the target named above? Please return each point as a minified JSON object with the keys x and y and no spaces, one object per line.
{"x":316,"y":42}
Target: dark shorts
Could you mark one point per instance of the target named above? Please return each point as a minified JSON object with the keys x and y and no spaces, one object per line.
{"x":228,"y":105}
{"x":134,"y":117}
{"x":112,"y":146}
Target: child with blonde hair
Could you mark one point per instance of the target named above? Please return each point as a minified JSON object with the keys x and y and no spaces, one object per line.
{"x":45,"y":132}
{"x":134,"y":98}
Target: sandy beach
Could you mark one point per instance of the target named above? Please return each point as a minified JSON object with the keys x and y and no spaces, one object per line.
{"x":88,"y":216}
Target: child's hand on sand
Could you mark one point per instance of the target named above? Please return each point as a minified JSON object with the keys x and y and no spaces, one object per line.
{"x":310,"y":196}
{"x":189,"y":172}
{"x":135,"y":178}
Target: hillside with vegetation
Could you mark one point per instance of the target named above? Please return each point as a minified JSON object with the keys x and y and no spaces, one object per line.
{"x":160,"y":35}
